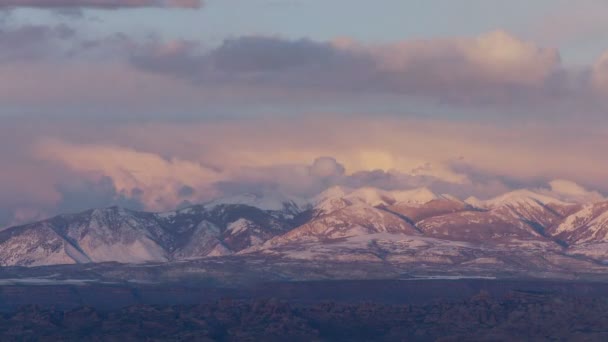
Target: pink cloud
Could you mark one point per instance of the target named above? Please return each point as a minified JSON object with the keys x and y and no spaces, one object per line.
{"x":160,"y":179}
{"x":492,"y":58}
{"x":219,"y":151}
{"x":161,"y":164}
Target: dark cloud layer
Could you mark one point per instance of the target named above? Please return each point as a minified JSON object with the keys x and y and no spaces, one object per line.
{"x":256,"y":60}
{"x":101,"y":4}
{"x":326,"y":172}
{"x":83,"y":194}
{"x":489,"y":68}
{"x":33,"y":41}
{"x":492,"y":69}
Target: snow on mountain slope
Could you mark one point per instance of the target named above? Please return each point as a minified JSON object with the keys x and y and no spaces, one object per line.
{"x":340,"y":223}
{"x":370,"y":196}
{"x":221,"y":229}
{"x":116,"y":234}
{"x":527,"y":208}
{"x":522,"y":197}
{"x":337,"y":198}
{"x":371,"y":246}
{"x":375,"y":197}
{"x":331,"y":199}
{"x":98,"y":235}
{"x":476,"y":226}
{"x":597,"y":251}
{"x":37,"y":245}
{"x":417,"y":196}
{"x":120,"y":235}
{"x":353,"y":220}
{"x":435,"y":207}
{"x":204,"y":239}
{"x":590,"y":224}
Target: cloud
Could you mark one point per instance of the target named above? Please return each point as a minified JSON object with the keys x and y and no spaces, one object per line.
{"x":362,"y":143}
{"x":157,"y":180}
{"x":491,"y":67}
{"x":492,"y":58}
{"x":326,"y":167}
{"x":495,"y":70}
{"x":82,"y":194}
{"x":52,"y":167}
{"x":571,"y":191}
{"x":100,"y":4}
{"x":49,"y":166}
{"x":600,"y":74}
{"x":32,"y":41}
{"x":186,"y":191}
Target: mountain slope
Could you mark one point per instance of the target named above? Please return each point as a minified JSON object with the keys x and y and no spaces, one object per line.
{"x":120,"y":235}
{"x":36,"y":245}
{"x":520,"y":229}
{"x":353,"y":220}
{"x":589,"y":224}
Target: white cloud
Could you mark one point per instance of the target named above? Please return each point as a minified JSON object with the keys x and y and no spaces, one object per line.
{"x":571,"y":191}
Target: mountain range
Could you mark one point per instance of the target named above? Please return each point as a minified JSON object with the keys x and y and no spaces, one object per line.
{"x":523,"y":229}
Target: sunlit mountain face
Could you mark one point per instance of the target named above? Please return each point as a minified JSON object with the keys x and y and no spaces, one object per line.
{"x":227,"y":143}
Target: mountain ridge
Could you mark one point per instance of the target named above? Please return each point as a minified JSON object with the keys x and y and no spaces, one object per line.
{"x":411,"y":226}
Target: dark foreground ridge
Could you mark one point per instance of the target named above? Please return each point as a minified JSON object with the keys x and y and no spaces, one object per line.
{"x":516,"y":316}
{"x":110,"y":297}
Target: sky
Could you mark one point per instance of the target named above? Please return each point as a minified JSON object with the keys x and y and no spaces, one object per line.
{"x":158,"y":104}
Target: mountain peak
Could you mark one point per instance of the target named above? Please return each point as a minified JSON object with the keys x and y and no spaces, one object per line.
{"x":415,"y":196}
{"x":273,"y":202}
{"x":337,"y":197}
{"x":331,"y":199}
{"x":334,"y":192}
{"x":370,"y":196}
{"x":522,"y":196}
{"x":474,"y":201}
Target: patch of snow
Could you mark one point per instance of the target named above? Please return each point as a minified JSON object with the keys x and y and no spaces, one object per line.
{"x":239,"y":226}
{"x":219,"y":250}
{"x":569,"y":224}
{"x":139,"y":251}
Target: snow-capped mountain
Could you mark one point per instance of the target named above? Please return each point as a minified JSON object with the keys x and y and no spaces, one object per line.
{"x":280,"y":205}
{"x":343,"y":213}
{"x":336,"y":198}
{"x":353,"y":220}
{"x":416,"y":222}
{"x":519,"y":228}
{"x":117,"y":234}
